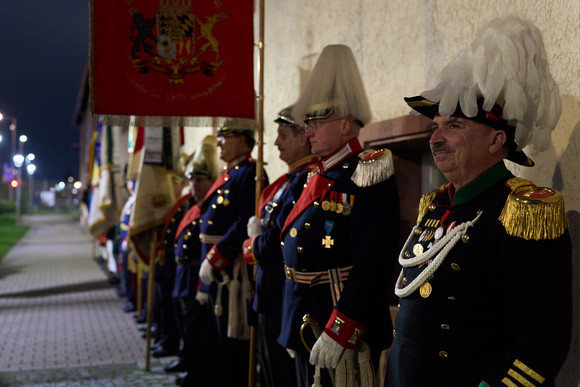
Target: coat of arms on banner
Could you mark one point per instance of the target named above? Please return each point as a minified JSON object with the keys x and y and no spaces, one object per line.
{"x":175,"y":41}
{"x":163,"y":58}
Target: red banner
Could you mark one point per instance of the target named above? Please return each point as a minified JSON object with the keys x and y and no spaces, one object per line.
{"x":172,"y":58}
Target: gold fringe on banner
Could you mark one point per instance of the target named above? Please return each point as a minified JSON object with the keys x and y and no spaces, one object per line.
{"x":171,"y":121}
{"x":533,"y":213}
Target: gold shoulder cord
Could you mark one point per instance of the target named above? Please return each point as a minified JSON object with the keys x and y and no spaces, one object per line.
{"x":533,"y":213}
{"x":426,"y":202}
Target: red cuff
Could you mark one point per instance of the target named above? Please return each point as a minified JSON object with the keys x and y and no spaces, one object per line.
{"x":248,"y":252}
{"x":344,"y":330}
{"x":215,"y":259}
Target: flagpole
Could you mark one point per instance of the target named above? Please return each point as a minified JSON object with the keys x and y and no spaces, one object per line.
{"x":259,"y":177}
{"x":150,"y":288}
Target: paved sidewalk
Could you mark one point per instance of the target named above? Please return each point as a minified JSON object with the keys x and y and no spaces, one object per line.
{"x":61,"y":323}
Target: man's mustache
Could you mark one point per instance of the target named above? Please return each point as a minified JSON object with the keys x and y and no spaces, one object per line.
{"x":436,"y":148}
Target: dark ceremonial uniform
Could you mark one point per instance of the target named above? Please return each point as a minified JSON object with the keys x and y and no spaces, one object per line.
{"x":167,"y":325}
{"x":194,"y":317}
{"x":276,"y":202}
{"x":494,"y":305}
{"x":339,"y":245}
{"x":128,"y":280}
{"x":225,"y":213}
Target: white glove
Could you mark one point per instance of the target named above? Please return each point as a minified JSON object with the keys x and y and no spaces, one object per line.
{"x":254,"y":227}
{"x":326,"y":352}
{"x":202,"y":297}
{"x":205,"y":272}
{"x":124,"y":246}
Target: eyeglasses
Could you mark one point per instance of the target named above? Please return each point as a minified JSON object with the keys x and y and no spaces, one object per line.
{"x":314,"y":125}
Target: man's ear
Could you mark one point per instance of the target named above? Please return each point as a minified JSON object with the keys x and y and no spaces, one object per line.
{"x":497,"y":141}
{"x":303,"y":139}
{"x":346,"y":127}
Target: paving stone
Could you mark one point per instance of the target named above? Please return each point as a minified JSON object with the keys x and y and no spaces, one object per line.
{"x":61,"y":322}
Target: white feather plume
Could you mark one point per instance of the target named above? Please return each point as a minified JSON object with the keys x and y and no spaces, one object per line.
{"x":505,"y":64}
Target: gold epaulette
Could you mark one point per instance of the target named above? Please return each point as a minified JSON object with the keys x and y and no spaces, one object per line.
{"x":427,"y":199}
{"x":374,"y":166}
{"x":532,"y":212}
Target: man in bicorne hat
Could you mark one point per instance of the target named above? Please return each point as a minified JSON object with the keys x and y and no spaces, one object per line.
{"x":263,"y":248}
{"x":485,"y":290}
{"x":339,"y":242}
{"x":201,"y":170}
{"x":226,"y":210}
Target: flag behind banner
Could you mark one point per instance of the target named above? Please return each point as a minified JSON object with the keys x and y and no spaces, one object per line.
{"x":102,"y":210}
{"x":172,"y":58}
{"x":154,"y":195}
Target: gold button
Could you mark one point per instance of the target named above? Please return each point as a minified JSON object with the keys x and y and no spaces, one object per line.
{"x":165,"y":242}
{"x":465,"y":238}
{"x":445,"y":327}
{"x":443,"y":354}
{"x":175,"y":245}
{"x":293,"y":232}
{"x":345,"y":165}
{"x":173,"y":219}
{"x":210,"y":222}
{"x":432,"y":207}
{"x":168,"y":231}
{"x":394,"y":333}
{"x":184,"y":247}
{"x":305,"y":185}
{"x":316,"y":203}
{"x":451,"y":298}
{"x":455,"y":267}
{"x":404,"y":281}
{"x":194,"y":222}
{"x":226,"y":178}
{"x":281,"y":244}
{"x":307,"y":226}
{"x":186,"y":237}
{"x":293,"y":202}
{"x":237,"y":167}
{"x":213,"y":206}
{"x":418,"y":231}
{"x":330,"y":184}
{"x":200,"y":221}
{"x":219,"y":191}
{"x":300,"y":249}
{"x":407,"y":254}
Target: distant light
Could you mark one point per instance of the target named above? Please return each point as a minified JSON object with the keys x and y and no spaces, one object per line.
{"x":51,"y":189}
{"x":30,"y":157}
{"x":31,"y":168}
{"x":23,"y":138}
{"x":60,"y":186}
{"x":74,"y":191}
{"x":78,"y":184}
{"x":18,"y":160}
{"x":1,"y":116}
{"x":71,"y":179}
{"x":0,"y":135}
{"x":14,"y":183}
{"x":75,"y":201}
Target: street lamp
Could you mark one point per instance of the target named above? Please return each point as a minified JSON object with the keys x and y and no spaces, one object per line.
{"x":13,"y":130}
{"x":30,"y":169}
{"x":18,"y":160}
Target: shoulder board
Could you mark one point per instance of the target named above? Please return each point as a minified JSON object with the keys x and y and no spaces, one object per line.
{"x":427,"y":199}
{"x":532,"y":212}
{"x":374,"y":166}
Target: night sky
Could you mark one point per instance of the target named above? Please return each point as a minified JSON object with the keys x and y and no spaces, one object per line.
{"x":44,"y":48}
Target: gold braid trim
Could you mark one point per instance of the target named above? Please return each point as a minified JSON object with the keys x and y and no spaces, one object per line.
{"x":426,"y":201}
{"x":533,"y":213}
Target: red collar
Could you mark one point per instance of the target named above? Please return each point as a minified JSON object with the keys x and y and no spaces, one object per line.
{"x":351,"y":147}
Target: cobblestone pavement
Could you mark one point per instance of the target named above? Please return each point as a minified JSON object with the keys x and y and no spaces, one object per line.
{"x":61,"y":322}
